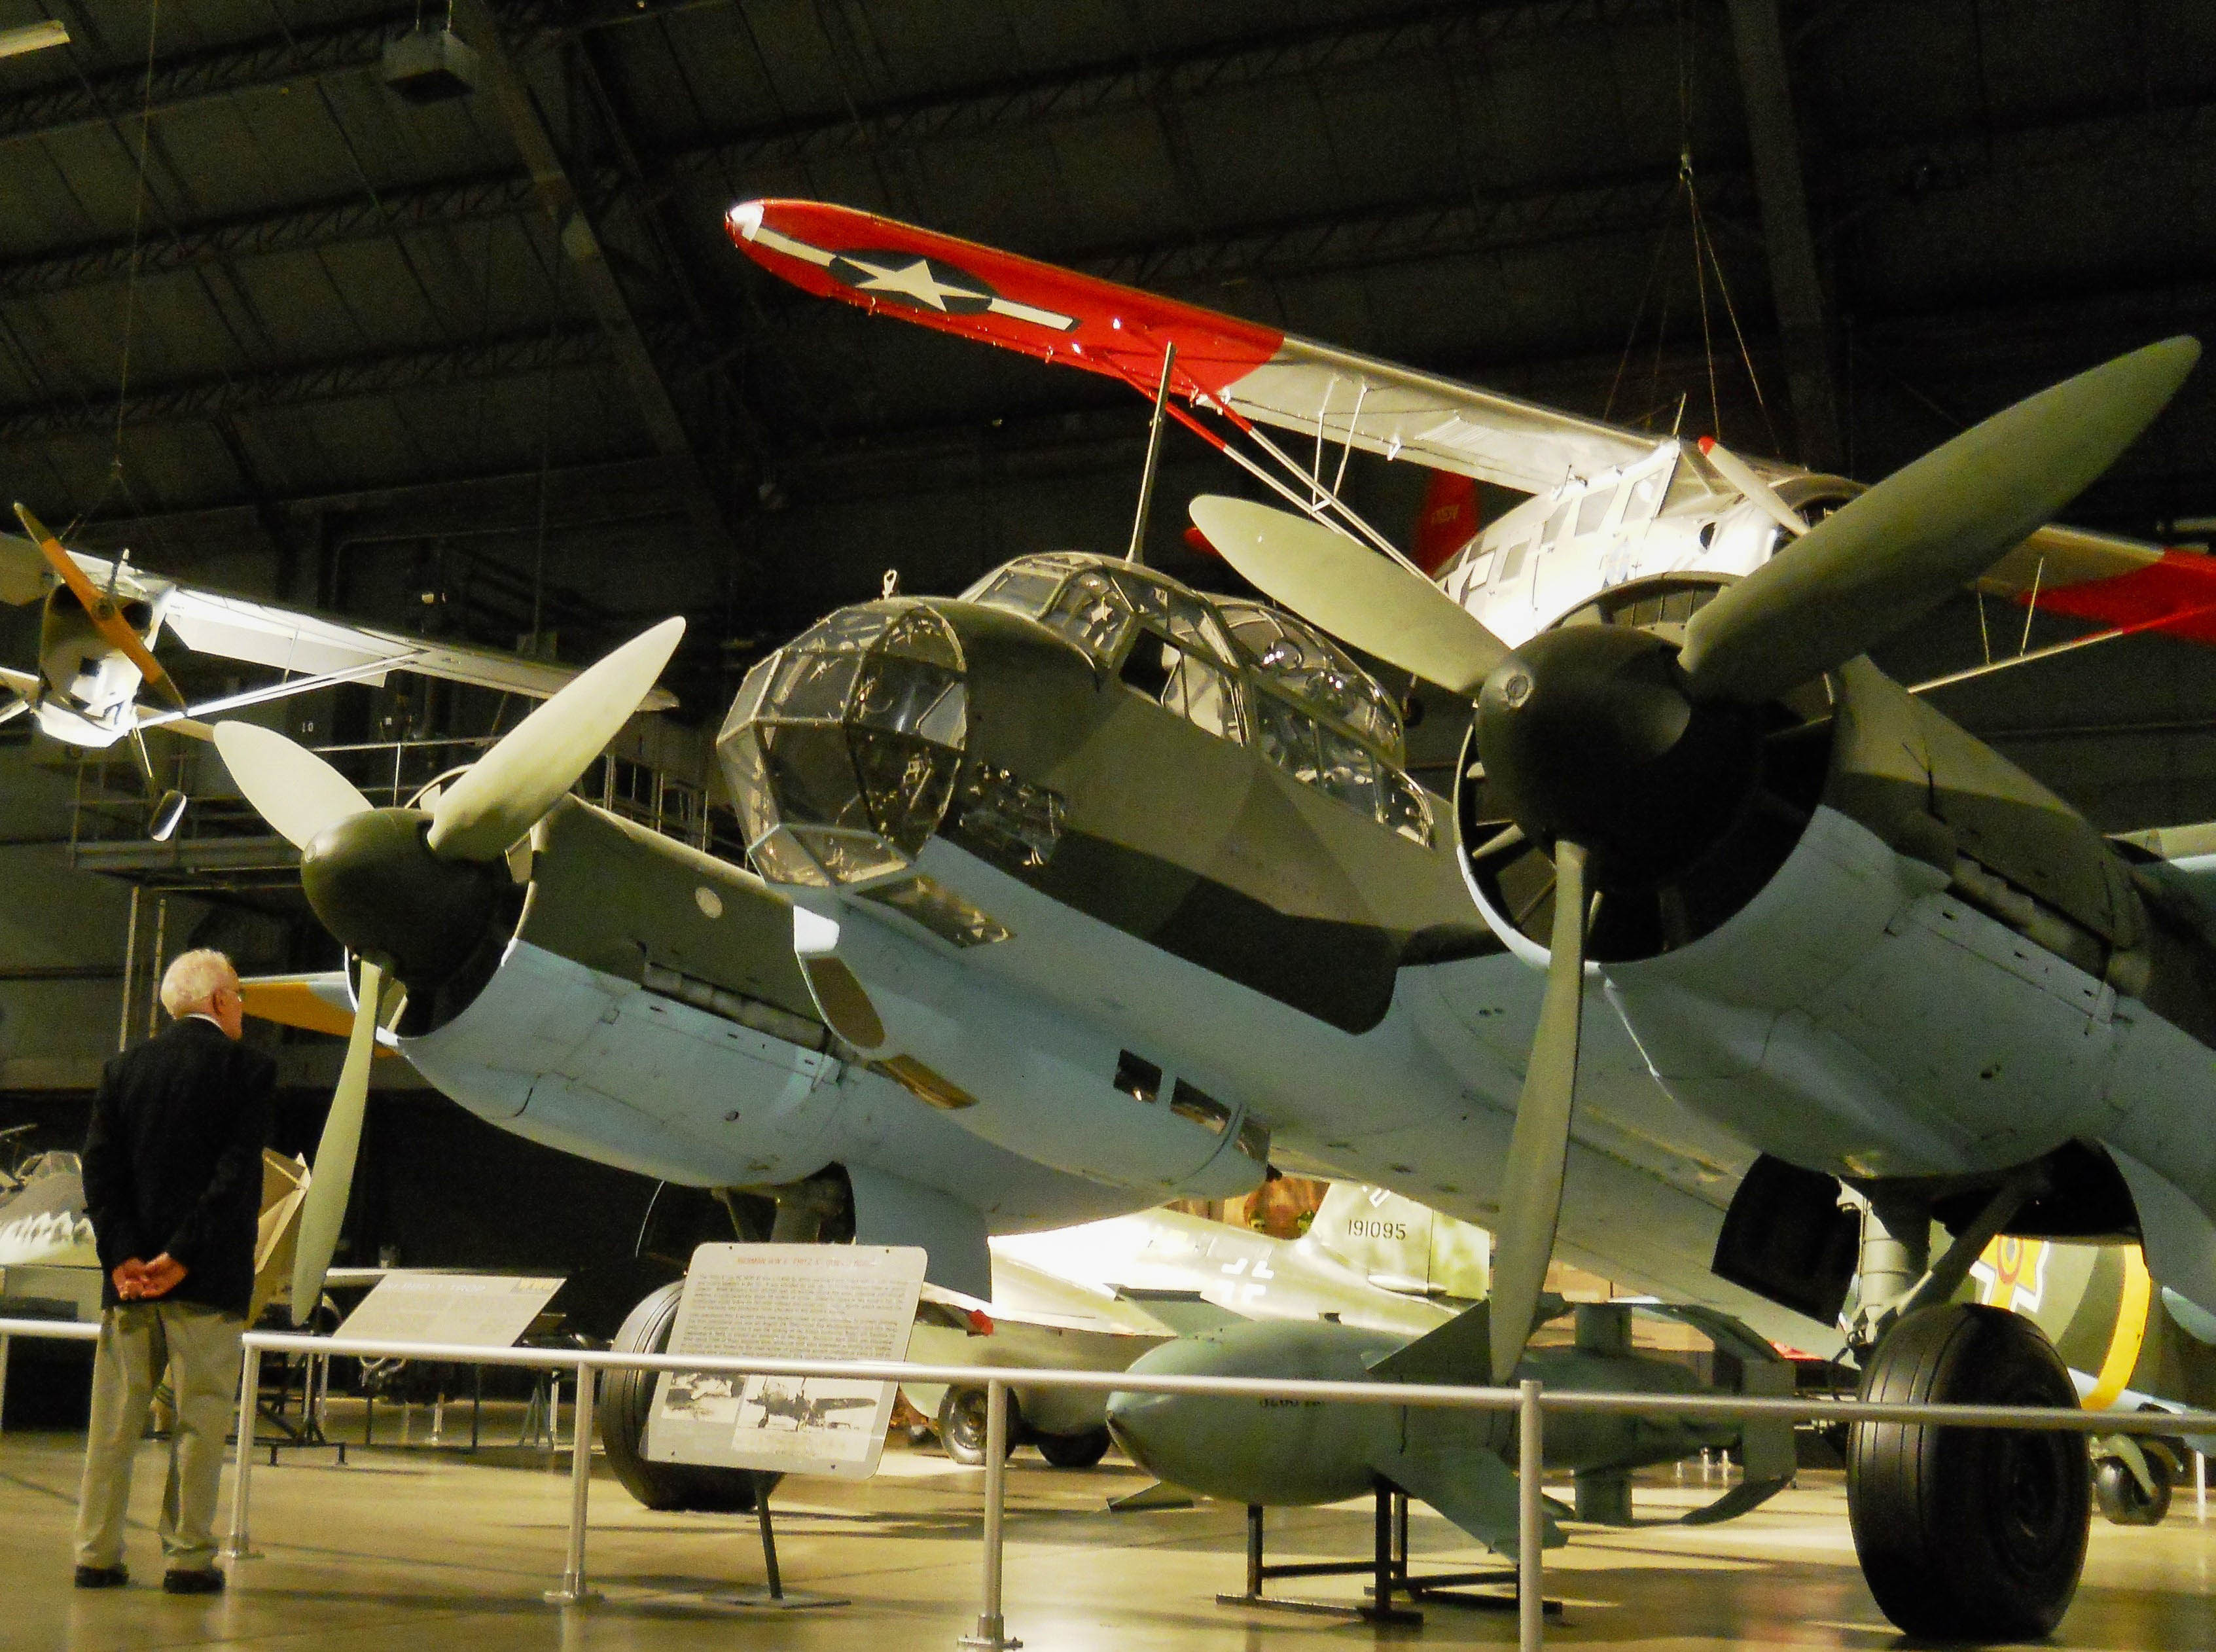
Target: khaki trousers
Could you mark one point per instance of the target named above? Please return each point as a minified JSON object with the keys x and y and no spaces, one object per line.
{"x":200,"y":1345}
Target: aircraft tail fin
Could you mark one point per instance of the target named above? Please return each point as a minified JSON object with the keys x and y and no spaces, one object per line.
{"x":1447,"y":522}
{"x":1401,"y":1245}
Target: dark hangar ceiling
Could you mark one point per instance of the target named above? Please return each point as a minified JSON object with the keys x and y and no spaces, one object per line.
{"x":455,"y":363}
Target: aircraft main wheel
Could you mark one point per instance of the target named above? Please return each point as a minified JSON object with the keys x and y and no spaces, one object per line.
{"x":2123,"y":1500}
{"x":962,"y":1424}
{"x":1073,"y":1450}
{"x":1968,"y":1533}
{"x":625,"y":1399}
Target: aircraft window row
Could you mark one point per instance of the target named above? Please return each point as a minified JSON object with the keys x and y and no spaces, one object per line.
{"x":1320,"y":756}
{"x":1197,"y":691}
{"x":1328,"y":724}
{"x":1593,"y":510}
{"x":1318,"y":673}
{"x":1142,"y":1080}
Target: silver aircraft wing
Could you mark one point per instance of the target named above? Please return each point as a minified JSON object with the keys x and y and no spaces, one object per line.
{"x":300,"y":645}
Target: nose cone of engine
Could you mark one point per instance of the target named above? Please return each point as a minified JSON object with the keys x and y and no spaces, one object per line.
{"x":375,"y":884}
{"x":841,"y":748}
{"x":1588,"y":732}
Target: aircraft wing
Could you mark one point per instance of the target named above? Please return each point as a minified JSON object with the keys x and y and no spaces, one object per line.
{"x":304,"y":645}
{"x":260,"y":634}
{"x":2118,"y":581}
{"x":25,"y":683}
{"x":1186,"y":1313}
{"x":320,"y":1001}
{"x":1257,"y":373}
{"x":1314,"y":390}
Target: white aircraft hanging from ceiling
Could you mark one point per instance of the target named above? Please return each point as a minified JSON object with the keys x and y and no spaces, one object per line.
{"x":102,"y":619}
{"x":1830,"y":924}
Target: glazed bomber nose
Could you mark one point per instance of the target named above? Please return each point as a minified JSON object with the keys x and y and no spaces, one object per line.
{"x":841,"y":748}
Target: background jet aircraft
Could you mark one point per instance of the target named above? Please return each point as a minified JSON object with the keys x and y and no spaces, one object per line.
{"x":1838,"y":927}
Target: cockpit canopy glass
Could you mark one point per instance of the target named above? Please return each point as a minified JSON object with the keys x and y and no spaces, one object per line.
{"x":1307,"y":706}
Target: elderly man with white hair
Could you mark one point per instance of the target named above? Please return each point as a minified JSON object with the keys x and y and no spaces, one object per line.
{"x":173,"y":1187}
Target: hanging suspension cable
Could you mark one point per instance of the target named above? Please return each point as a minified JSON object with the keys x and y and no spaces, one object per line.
{"x":138,"y":223}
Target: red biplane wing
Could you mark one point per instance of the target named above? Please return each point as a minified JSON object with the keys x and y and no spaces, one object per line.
{"x":1273,"y":377}
{"x":1256,"y":372}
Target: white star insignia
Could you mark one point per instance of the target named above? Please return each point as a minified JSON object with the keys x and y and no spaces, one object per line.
{"x":913,"y":280}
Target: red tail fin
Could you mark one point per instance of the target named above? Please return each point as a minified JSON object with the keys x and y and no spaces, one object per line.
{"x":1448,"y":520}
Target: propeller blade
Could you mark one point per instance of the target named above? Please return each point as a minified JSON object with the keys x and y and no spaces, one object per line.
{"x":1351,"y":592}
{"x":1539,"y":1151}
{"x":504,"y":792}
{"x":1899,"y":549}
{"x":1737,"y":472}
{"x":291,"y":788}
{"x":101,"y":610}
{"x":328,"y":1189}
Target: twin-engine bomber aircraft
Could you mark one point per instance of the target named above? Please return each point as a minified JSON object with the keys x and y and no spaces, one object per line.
{"x":1829,"y":928}
{"x":1084,"y":891}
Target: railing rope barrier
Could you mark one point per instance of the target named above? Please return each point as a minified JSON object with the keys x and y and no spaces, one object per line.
{"x":1528,"y":1401}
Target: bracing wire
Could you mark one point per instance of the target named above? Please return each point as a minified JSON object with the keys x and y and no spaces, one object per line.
{"x":137,"y":226}
{"x":1705,"y":242}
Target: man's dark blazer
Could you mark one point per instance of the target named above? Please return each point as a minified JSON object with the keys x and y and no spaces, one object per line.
{"x":173,"y":1160}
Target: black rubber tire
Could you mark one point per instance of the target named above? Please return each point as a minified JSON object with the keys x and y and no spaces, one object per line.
{"x":2123,"y":1500}
{"x":1968,"y":1533}
{"x":625,"y":1399}
{"x":1073,"y":1451}
{"x":961,"y":1425}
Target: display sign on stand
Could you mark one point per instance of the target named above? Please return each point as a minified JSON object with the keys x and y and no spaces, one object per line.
{"x":790,"y":1301}
{"x":484,"y":1311}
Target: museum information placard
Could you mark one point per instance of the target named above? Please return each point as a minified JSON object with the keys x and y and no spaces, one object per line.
{"x":785,"y":1302}
{"x":463,"y":1310}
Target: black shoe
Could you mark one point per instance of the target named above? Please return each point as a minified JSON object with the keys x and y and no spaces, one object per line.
{"x":182,"y":1582}
{"x":102,"y":1577}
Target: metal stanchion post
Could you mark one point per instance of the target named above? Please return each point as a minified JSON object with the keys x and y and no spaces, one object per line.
{"x":1530,"y":1534}
{"x":2200,"y":1485}
{"x":3,"y":1382}
{"x":992,"y":1631}
{"x":573,"y":1592}
{"x":238,"y":1545}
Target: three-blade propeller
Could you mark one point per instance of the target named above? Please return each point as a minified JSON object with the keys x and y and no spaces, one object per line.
{"x":476,"y":819}
{"x":1835,"y":591}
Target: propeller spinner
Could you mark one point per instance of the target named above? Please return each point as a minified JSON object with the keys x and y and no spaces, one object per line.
{"x":1629,"y":755}
{"x":409,"y":893}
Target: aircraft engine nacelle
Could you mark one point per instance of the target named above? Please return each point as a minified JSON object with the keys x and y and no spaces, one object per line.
{"x":1885,"y":951}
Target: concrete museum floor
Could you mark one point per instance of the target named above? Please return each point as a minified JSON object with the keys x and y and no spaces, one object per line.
{"x":410,"y":1549}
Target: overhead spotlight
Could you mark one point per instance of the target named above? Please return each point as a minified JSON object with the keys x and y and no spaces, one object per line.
{"x":33,"y":37}
{"x":429,"y":65}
